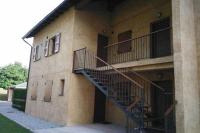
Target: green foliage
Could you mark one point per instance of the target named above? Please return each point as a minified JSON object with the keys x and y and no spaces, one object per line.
{"x":12,"y":74}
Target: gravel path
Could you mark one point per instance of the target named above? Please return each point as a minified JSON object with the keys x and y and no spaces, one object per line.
{"x":23,"y":119}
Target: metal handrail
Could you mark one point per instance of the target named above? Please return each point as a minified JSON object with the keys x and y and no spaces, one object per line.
{"x":154,"y":84}
{"x":110,"y":45}
{"x":124,"y":75}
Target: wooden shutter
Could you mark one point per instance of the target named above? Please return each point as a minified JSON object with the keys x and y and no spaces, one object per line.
{"x":57,"y":43}
{"x":34,"y":91}
{"x":46,"y":48}
{"x":126,"y":46}
{"x":48,"y":90}
{"x":34,"y":53}
{"x":37,"y":53}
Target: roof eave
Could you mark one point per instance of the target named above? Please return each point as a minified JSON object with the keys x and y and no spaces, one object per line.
{"x":49,"y":18}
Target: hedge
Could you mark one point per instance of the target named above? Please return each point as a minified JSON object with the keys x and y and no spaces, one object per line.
{"x":19,"y":99}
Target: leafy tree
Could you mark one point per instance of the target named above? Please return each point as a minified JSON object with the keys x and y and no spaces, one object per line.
{"x":12,"y":74}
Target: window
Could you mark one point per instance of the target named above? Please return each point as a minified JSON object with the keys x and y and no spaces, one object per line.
{"x":46,"y":48}
{"x":53,"y":45}
{"x":126,"y":46}
{"x":48,"y":90}
{"x":36,"y":53}
{"x":34,"y":91}
{"x":62,"y":86}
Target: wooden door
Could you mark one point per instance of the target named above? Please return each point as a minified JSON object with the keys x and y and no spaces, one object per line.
{"x":99,"y":107}
{"x":160,"y":103}
{"x":102,"y":42}
{"x":160,"y":41}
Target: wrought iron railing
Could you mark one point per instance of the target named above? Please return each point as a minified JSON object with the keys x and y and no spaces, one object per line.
{"x":139,"y":48}
{"x":119,"y":87}
{"x":129,"y":89}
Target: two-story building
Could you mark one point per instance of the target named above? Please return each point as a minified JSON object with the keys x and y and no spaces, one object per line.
{"x":133,"y":63}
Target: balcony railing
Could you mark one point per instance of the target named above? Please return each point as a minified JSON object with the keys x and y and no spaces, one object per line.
{"x":153,"y":45}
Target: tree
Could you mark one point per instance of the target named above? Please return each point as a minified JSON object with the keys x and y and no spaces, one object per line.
{"x":12,"y":74}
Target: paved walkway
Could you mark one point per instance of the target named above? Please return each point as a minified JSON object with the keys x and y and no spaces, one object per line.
{"x":23,"y":119}
{"x":93,"y":128}
{"x":40,"y":126}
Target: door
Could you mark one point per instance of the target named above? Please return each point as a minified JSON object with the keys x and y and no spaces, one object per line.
{"x":160,"y":41}
{"x":102,"y":42}
{"x":160,"y":103}
{"x":99,"y":106}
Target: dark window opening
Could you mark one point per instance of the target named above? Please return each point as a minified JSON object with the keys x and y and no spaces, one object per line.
{"x":62,"y":86}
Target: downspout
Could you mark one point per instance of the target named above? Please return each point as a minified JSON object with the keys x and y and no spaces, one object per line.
{"x":28,"y":68}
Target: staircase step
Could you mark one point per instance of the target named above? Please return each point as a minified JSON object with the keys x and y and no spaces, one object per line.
{"x":154,"y":130}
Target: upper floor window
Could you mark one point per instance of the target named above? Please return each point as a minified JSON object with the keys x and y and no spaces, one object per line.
{"x":53,"y":45}
{"x":36,"y":53}
{"x":126,"y":45}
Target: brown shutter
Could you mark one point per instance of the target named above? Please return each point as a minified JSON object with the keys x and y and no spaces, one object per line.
{"x":48,"y":90}
{"x":46,"y":48}
{"x":34,"y":53}
{"x":126,"y":46}
{"x":57,"y":43}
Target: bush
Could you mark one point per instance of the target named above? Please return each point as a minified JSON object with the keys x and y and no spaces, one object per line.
{"x":19,"y":99}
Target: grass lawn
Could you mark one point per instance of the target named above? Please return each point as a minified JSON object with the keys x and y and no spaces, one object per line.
{"x":8,"y":126}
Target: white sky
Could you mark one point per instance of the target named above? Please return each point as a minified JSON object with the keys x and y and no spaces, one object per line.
{"x":17,"y":18}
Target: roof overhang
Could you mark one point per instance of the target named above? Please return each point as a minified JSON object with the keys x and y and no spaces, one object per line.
{"x":66,"y":4}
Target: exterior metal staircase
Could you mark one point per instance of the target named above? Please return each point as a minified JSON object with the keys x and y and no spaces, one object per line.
{"x":120,"y":87}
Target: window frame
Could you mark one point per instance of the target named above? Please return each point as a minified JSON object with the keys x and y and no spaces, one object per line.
{"x":126,"y":46}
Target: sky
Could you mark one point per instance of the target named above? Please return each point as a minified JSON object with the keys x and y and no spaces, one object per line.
{"x":17,"y":18}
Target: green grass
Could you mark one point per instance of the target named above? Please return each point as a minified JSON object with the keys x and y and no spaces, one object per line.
{"x":8,"y":126}
{"x":3,"y":97}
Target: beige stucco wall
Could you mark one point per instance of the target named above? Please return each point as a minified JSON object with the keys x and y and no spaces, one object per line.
{"x":197,"y":27}
{"x":185,"y":65}
{"x":56,"y":67}
{"x":87,"y":25}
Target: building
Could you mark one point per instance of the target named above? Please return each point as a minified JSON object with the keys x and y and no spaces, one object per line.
{"x":133,"y":63}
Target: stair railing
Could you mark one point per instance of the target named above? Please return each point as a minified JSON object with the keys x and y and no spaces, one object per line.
{"x":120,"y":87}
{"x":126,"y":94}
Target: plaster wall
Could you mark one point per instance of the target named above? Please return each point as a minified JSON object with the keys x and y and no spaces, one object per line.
{"x":185,"y":65}
{"x":55,"y":68}
{"x":88,"y":23}
{"x":197,"y":27}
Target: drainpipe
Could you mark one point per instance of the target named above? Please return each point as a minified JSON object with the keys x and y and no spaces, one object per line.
{"x":29,"y":66}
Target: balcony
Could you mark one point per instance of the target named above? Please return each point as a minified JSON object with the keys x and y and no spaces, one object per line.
{"x":150,"y":46}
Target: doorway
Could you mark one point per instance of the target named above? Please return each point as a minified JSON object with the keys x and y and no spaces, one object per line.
{"x":102,"y":53}
{"x":160,"y":41}
{"x":99,"y":106}
{"x":160,"y":103}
